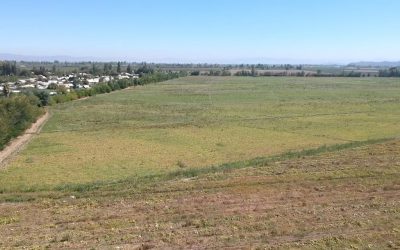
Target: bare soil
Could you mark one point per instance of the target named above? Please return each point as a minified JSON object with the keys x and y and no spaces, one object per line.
{"x":343,"y":200}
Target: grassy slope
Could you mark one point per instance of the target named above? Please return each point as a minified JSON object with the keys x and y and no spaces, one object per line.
{"x":198,"y":122}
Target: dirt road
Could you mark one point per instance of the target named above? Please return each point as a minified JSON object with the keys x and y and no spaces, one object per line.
{"x":17,"y":144}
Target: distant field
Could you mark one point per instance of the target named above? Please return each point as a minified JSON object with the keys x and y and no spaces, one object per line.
{"x":196,"y":122}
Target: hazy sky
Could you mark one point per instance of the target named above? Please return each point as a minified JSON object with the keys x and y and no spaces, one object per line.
{"x":308,"y":31}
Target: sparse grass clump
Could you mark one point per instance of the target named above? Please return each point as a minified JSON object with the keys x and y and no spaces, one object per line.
{"x":181,"y":164}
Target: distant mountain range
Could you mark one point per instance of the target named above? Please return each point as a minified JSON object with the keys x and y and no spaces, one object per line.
{"x":384,"y":64}
{"x":250,"y":60}
{"x":61,"y":58}
{"x":64,"y":58}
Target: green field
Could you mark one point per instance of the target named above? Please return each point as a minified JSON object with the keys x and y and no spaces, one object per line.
{"x":211,"y":163}
{"x":198,"y":122}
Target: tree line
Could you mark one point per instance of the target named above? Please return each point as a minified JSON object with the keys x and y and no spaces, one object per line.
{"x":391,"y":72}
{"x":9,"y":70}
{"x":27,"y":69}
{"x":102,"y":88}
{"x":254,"y":73}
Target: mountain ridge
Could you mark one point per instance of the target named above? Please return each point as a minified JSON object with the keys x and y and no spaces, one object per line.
{"x":375,"y":64}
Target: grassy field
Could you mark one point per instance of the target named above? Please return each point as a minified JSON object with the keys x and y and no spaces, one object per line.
{"x":200,"y":122}
{"x":211,"y":162}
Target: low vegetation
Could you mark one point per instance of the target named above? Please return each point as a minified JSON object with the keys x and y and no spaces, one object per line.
{"x":16,"y":114}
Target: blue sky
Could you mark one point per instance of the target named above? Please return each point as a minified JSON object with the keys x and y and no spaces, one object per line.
{"x":308,"y":31}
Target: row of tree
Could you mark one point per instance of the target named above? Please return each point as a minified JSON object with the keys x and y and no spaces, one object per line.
{"x":298,"y":73}
{"x":11,"y":68}
{"x":64,"y":96}
{"x":8,"y":68}
{"x":391,"y":72}
{"x":107,"y":69}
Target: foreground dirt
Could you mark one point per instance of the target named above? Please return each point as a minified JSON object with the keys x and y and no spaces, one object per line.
{"x":344,"y":200}
{"x":18,"y":143}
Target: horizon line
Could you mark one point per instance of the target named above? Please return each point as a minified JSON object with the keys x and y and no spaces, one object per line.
{"x":237,"y":61}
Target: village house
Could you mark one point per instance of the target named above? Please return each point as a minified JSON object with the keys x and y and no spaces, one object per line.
{"x":69,"y":81}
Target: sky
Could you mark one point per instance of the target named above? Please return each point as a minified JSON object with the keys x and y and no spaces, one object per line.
{"x":213,"y":31}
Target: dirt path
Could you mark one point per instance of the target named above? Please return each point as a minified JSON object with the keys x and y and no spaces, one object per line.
{"x":17,"y":144}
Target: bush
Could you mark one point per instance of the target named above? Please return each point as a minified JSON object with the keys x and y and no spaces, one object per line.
{"x":43,"y":96}
{"x":16,"y":114}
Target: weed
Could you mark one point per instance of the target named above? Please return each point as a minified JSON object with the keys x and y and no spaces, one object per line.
{"x":181,"y":164}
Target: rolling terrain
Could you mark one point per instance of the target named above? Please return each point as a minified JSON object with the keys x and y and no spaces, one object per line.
{"x":210,"y":162}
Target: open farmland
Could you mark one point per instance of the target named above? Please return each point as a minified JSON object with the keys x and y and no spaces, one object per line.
{"x":199,"y":122}
{"x":210,"y":162}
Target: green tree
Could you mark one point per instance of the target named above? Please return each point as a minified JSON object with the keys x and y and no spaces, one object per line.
{"x":8,"y":68}
{"x":43,"y":97}
{"x":129,"y":69}
{"x":253,"y":71}
{"x":16,"y":114}
{"x":106,"y":69}
{"x":14,"y":68}
{"x":40,"y":71}
{"x":119,"y":67}
{"x":94,"y":69}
